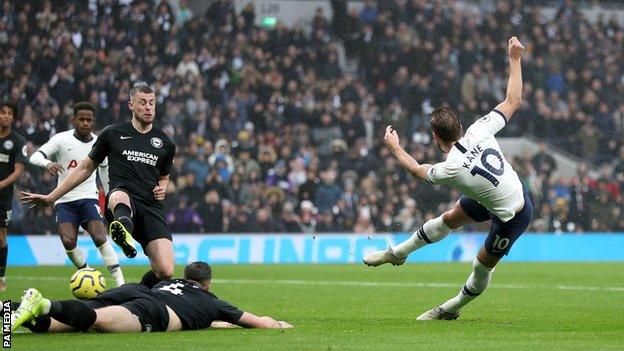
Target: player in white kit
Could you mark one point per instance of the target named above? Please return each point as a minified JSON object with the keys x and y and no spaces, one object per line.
{"x":492,"y":190}
{"x":79,"y":207}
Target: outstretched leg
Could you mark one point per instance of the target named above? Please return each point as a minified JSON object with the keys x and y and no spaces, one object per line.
{"x":478,"y":281}
{"x":497,"y":244}
{"x":432,"y":231}
{"x":73,"y":313}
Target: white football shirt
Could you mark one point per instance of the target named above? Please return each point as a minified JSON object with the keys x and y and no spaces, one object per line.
{"x":476,"y":166}
{"x":68,"y":151}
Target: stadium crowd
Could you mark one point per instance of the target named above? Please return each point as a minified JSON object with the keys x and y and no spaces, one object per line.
{"x":273,"y":135}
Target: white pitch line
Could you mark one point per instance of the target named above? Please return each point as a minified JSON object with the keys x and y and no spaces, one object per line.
{"x":365,"y":283}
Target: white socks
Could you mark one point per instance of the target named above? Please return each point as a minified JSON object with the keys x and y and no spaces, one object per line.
{"x":109,"y":256}
{"x":475,"y":285}
{"x":77,"y":257}
{"x":432,"y":231}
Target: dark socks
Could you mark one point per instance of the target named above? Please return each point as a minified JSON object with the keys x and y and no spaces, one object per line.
{"x":150,"y":279}
{"x":4,"y":252}
{"x":123,"y":214}
{"x":41,"y":324}
{"x":122,"y":210}
{"x":74,"y":313}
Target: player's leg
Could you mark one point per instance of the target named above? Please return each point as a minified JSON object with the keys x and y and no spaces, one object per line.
{"x":432,"y":231}
{"x":478,"y":281}
{"x":160,"y":253}
{"x":68,"y":219}
{"x":151,"y":231}
{"x":73,"y":313}
{"x":46,"y":324}
{"x":92,"y":221}
{"x":5,"y":218}
{"x":4,"y":253}
{"x":119,"y":205}
{"x":116,"y":319}
{"x":98,"y":233}
{"x":498,"y":243}
{"x":68,"y":232}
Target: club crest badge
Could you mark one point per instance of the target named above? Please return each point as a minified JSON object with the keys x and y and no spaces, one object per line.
{"x":156,"y":142}
{"x":9,"y":144}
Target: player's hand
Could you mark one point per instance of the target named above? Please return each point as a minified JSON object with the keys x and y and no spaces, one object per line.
{"x":221,"y":325}
{"x":35,"y":200}
{"x":159,"y":192}
{"x":284,"y":325}
{"x":391,"y":138}
{"x":515,"y":48}
{"x":55,"y":168}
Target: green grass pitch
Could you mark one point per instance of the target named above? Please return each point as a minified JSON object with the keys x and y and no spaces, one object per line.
{"x":529,"y":306}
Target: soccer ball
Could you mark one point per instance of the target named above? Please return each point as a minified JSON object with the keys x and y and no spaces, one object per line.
{"x":87,"y":283}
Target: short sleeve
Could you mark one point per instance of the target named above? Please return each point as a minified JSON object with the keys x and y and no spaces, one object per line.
{"x":441,"y":172}
{"x":101,"y":147}
{"x":167,"y":164}
{"x":227,"y":312}
{"x":50,"y":148}
{"x":489,"y":124}
{"x":21,"y":151}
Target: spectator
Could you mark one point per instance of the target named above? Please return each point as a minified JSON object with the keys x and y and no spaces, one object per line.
{"x":183,"y":218}
{"x":251,"y":109}
{"x":211,"y":212}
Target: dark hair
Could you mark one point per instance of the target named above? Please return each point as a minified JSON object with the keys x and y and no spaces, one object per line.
{"x":198,"y":271}
{"x":83,"y":106}
{"x":140,"y":87}
{"x":10,"y":105}
{"x":445,"y":124}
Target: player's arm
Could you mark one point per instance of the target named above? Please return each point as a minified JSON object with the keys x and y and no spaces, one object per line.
{"x":248,"y":320}
{"x":103,"y":173}
{"x":40,"y":157}
{"x":76,"y":177}
{"x":21,"y":158}
{"x":406,"y":160}
{"x":513,"y":99}
{"x":13,"y":177}
{"x":160,"y":190}
{"x":165,"y":167}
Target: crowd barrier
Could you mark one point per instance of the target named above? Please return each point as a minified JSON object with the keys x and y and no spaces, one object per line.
{"x":327,"y":248}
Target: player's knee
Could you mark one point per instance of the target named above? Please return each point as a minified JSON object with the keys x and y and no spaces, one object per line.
{"x":165,"y":272}
{"x":117,"y":197}
{"x":69,"y":241}
{"x":99,"y":238}
{"x":3,"y":237}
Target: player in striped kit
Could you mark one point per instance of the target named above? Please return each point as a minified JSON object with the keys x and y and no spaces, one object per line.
{"x":80,"y":206}
{"x":476,"y":166}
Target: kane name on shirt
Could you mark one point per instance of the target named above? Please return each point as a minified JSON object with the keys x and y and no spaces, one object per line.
{"x":136,"y":160}
{"x":196,"y":308}
{"x":12,"y":151}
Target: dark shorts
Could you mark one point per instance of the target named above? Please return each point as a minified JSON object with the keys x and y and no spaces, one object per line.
{"x":148,"y":218}
{"x":140,"y":301}
{"x":5,"y":213}
{"x":78,"y":212}
{"x":502,"y":234}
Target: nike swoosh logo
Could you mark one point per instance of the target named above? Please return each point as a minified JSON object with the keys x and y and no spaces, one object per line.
{"x":124,"y":137}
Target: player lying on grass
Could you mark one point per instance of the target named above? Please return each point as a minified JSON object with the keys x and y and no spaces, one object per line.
{"x":492,"y":190}
{"x":171,"y":305}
